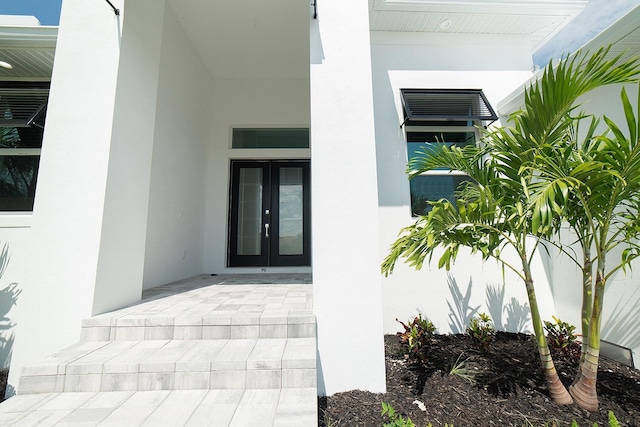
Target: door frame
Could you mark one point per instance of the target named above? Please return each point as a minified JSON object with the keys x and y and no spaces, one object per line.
{"x":269,"y":256}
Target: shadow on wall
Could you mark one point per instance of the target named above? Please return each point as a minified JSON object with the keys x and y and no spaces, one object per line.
{"x":8,"y":298}
{"x":517,"y":314}
{"x":461,"y":312}
{"x":461,"y":317}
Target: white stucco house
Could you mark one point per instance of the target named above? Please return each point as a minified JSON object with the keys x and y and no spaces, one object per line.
{"x":179,"y":137}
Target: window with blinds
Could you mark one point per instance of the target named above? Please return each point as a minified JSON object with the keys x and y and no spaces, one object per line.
{"x":22,"y":115}
{"x":435,"y":117}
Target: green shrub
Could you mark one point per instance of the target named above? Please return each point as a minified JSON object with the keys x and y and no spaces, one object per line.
{"x":563,"y":343}
{"x":395,"y":419}
{"x":417,"y":336}
{"x":481,"y":331}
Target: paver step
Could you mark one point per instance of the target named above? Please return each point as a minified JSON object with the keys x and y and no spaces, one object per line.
{"x":214,"y":408}
{"x":143,"y":365}
{"x":215,"y":351}
{"x":233,"y":325}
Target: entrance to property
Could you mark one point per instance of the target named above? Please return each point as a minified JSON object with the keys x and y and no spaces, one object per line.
{"x":269,"y":223}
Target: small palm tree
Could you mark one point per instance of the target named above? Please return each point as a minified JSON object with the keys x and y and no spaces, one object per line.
{"x":603,"y":177}
{"x":489,"y":216}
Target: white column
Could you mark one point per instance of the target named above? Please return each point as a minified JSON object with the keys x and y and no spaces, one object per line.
{"x":346,"y":254}
{"x":89,"y":218}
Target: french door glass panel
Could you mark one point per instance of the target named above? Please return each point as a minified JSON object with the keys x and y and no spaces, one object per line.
{"x":291,"y":208}
{"x":250,"y":211}
{"x":269,"y":222}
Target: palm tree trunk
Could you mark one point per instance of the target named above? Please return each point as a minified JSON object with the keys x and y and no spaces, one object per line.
{"x":584,"y":389}
{"x":557,"y":390}
{"x":587,"y":304}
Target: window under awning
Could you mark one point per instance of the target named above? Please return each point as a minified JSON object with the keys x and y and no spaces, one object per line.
{"x":23,"y":106}
{"x":423,"y":106}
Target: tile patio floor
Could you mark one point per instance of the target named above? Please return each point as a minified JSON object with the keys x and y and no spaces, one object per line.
{"x":226,"y":350}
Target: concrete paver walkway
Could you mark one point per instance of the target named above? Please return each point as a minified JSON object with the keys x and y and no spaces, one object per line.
{"x":228,"y":350}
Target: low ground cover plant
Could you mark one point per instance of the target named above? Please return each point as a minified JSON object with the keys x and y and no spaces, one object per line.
{"x":461,"y":368}
{"x":397,"y":420}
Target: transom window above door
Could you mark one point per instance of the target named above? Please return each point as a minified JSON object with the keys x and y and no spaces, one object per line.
{"x":270,"y":138}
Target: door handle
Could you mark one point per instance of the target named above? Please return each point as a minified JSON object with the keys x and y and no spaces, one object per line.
{"x":266,"y":230}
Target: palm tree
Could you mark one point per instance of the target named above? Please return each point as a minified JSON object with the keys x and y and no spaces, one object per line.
{"x":604,"y":202}
{"x":506,"y":206}
{"x":490,"y":215}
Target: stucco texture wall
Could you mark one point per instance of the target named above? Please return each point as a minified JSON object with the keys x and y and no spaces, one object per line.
{"x":176,"y":220}
{"x":14,"y":263}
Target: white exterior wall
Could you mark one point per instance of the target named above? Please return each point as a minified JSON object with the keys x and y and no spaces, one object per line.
{"x":175,"y":238}
{"x":346,"y":268}
{"x":89,"y":218}
{"x":247,"y":103}
{"x":497,"y":65}
{"x":15,"y":233}
{"x":124,"y":224}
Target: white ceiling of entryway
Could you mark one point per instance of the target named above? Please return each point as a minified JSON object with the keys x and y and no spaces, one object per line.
{"x":270,"y":39}
{"x":249,"y":38}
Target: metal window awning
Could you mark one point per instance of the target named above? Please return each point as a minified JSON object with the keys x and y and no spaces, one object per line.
{"x":22,"y":106}
{"x":437,"y":105}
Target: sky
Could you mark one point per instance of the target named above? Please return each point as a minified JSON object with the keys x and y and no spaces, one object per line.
{"x":596,"y":16}
{"x":47,"y":11}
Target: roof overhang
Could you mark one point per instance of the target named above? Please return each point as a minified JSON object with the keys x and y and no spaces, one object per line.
{"x":538,"y":19}
{"x":624,"y":38}
{"x":29,"y":51}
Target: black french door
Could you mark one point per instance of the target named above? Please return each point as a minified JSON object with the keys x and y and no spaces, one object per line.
{"x":269,"y":219}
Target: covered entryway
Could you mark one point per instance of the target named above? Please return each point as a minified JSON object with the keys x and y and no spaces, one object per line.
{"x":269,"y":222}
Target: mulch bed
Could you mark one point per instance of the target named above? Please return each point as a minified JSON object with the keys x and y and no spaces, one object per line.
{"x":509,"y":389}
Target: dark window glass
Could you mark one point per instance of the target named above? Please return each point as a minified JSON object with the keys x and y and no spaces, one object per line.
{"x":22,"y":113}
{"x":22,"y":137}
{"x":420,"y":141}
{"x":270,"y":138}
{"x":18,"y":175}
{"x":19,"y":160}
{"x":425,"y":188}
